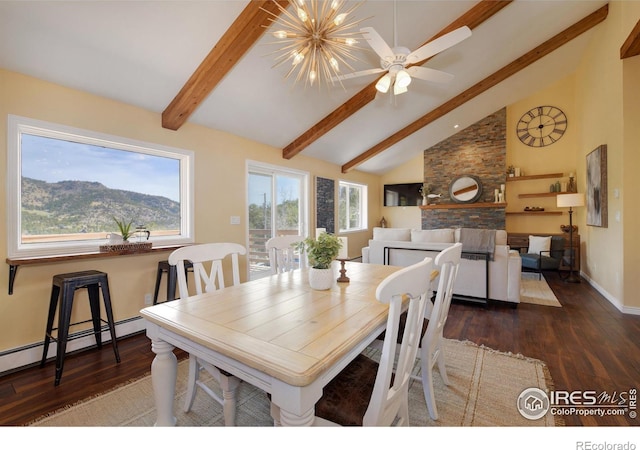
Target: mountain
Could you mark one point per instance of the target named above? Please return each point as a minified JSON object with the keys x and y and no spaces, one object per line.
{"x":85,"y":207}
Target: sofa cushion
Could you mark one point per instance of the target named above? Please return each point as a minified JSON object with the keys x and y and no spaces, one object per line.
{"x":391,"y":234}
{"x":539,"y":244}
{"x":444,"y":235}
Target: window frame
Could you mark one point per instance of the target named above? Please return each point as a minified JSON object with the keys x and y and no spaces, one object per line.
{"x":364,"y":199}
{"x":18,"y":125}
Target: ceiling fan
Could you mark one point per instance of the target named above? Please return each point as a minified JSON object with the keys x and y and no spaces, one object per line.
{"x":400,"y":62}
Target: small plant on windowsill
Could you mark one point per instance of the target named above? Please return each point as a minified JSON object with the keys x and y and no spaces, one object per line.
{"x":124,"y":228}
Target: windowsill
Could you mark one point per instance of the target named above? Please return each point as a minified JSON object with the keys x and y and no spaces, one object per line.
{"x":14,"y":263}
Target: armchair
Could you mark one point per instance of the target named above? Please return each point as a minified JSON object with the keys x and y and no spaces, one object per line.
{"x":541,"y":256}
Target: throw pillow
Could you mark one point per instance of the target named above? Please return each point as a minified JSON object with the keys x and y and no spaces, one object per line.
{"x":539,"y":244}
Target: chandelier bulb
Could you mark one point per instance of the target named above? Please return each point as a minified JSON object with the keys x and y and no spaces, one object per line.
{"x":280,"y":34}
{"x":335,"y":4}
{"x":339,"y":19}
{"x":350,"y":41}
{"x":334,"y":64}
{"x":302,"y":15}
{"x":312,"y":76}
{"x":297,"y":58}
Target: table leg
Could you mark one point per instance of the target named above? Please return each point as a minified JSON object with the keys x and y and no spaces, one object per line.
{"x":288,"y":419}
{"x":164,"y":372}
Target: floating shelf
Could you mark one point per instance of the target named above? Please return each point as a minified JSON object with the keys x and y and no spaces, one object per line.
{"x":464,"y":205}
{"x":542,"y":194}
{"x":534,"y":213}
{"x":536,"y":177}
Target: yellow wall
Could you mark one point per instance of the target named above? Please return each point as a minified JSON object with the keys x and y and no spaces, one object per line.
{"x":602,"y":93}
{"x":557,"y":158}
{"x":220,"y":193}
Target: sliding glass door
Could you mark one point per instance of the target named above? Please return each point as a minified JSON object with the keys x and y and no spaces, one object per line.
{"x":269,"y":186}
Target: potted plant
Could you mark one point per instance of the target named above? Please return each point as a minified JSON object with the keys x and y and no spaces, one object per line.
{"x":321,"y":252}
{"x":511,"y":171}
{"x":124,"y":228}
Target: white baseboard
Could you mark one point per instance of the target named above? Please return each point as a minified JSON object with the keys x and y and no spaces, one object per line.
{"x":28,"y":355}
{"x":613,"y":300}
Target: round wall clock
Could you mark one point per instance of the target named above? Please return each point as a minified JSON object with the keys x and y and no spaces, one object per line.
{"x":541,"y":126}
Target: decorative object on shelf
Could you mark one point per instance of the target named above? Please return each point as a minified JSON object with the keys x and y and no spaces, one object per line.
{"x":425,"y":190}
{"x":321,"y":252}
{"x":383,"y":223}
{"x":316,"y":38}
{"x":125,"y":228}
{"x":533,"y":208}
{"x":552,"y":187}
{"x":511,"y":171}
{"x":541,"y":126}
{"x":597,"y":209}
{"x":343,"y":255}
{"x":570,"y":201}
{"x":126,"y":247}
{"x":517,"y":172}
{"x":556,"y":187}
{"x":572,"y":187}
{"x":142,"y":234}
{"x":433,"y":196}
{"x":496,"y":196}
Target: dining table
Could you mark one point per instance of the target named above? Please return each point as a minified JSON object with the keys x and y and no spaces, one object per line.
{"x":276,"y":333}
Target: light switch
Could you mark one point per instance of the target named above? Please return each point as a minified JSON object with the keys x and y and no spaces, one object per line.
{"x":235,"y":220}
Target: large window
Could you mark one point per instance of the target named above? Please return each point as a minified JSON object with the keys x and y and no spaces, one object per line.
{"x":67,"y":186}
{"x":352,"y":206}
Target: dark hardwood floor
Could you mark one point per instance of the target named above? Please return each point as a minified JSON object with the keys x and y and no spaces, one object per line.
{"x":587,"y":344}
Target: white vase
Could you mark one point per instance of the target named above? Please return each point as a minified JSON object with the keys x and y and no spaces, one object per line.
{"x":321,"y":279}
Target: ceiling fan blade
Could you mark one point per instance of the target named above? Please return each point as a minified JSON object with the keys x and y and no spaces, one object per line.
{"x":427,"y":74}
{"x":361,"y":73}
{"x":377,"y":43}
{"x":438,"y":45}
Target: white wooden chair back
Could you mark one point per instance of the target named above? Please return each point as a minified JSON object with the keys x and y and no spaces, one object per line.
{"x":390,"y":401}
{"x":283,"y":257}
{"x":201,"y":254}
{"x":447,"y":262}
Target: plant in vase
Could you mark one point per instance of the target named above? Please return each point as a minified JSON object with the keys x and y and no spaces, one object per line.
{"x":425,"y":190}
{"x":321,"y":252}
{"x":124,"y":228}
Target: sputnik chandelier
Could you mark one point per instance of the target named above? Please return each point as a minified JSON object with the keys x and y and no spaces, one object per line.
{"x":316,"y":40}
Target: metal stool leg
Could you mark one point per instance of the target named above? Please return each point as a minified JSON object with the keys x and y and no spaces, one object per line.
{"x":64,"y":319}
{"x":93,"y":291}
{"x":107,"y":306}
{"x":53,"y":306}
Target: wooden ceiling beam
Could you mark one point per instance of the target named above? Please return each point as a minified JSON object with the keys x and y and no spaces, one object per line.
{"x":248,"y":27}
{"x":497,"y":77}
{"x":472,"y":18}
{"x":631,"y":46}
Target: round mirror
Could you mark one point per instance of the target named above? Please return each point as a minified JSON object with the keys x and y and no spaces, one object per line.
{"x":465,"y":189}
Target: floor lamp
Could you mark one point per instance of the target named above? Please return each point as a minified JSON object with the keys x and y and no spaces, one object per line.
{"x":570,"y":201}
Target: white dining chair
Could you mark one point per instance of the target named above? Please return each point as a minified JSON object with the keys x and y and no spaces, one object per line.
{"x":201,"y":255}
{"x":431,"y":346}
{"x":369,"y":393}
{"x":447,"y":263}
{"x":283,"y":256}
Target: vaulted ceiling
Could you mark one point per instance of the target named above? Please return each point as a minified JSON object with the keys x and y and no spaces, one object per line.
{"x":209,"y":63}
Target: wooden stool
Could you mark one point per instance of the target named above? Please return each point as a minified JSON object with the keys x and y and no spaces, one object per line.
{"x":94,"y":281}
{"x":172,"y":277}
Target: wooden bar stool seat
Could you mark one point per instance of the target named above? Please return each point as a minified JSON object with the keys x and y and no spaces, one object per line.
{"x":165,"y":267}
{"x":62,"y":293}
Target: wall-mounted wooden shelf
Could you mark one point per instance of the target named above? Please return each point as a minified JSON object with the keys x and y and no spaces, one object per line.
{"x":464,"y":205}
{"x":534,"y":213}
{"x":536,"y":177}
{"x":542,"y":194}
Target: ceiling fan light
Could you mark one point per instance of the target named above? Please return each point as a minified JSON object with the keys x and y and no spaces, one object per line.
{"x":398,"y":89}
{"x":384,"y":83}
{"x":403,"y":79}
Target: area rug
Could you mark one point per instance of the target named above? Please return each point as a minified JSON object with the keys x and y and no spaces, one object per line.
{"x":483,"y":391}
{"x":536,"y":291}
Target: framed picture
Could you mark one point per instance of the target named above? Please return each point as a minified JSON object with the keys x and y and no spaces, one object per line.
{"x":597,"y":187}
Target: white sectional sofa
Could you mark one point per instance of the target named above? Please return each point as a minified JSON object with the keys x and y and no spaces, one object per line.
{"x":404,"y":246}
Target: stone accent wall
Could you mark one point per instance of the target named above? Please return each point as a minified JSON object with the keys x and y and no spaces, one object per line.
{"x":325,"y":204}
{"x":478,"y":150}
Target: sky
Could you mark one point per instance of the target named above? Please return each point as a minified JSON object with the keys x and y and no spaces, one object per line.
{"x":54,"y":160}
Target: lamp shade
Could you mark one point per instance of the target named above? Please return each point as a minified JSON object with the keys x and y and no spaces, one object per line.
{"x":570,"y":200}
{"x":344,"y":250}
{"x":384,"y":83}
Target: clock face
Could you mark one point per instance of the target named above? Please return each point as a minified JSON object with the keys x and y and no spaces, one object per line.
{"x":541,"y":126}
